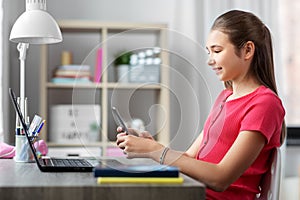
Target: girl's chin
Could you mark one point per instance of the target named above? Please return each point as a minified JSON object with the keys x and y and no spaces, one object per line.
{"x":221,"y":78}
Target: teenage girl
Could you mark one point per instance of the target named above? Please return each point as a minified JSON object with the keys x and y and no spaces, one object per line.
{"x":246,"y":122}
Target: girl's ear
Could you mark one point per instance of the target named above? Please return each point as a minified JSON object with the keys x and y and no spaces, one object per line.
{"x":249,"y":49}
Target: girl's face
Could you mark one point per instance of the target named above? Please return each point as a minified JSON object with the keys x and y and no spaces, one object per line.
{"x":223,"y":59}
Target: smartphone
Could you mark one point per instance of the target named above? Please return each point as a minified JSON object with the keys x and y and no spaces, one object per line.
{"x":119,"y":121}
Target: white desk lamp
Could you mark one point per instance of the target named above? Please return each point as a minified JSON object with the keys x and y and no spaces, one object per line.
{"x":34,"y":26}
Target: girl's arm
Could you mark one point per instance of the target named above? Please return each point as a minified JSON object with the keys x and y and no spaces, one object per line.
{"x":194,"y":148}
{"x":219,"y":176}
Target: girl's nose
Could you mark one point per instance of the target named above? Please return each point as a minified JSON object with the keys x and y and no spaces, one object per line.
{"x":210,"y":61}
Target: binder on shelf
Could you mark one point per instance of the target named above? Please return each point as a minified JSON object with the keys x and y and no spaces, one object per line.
{"x":141,"y":180}
{"x":136,"y":171}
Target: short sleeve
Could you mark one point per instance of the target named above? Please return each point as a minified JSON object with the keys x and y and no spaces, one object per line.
{"x":265,"y":114}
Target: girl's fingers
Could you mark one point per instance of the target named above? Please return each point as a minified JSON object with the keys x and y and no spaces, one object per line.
{"x":120,"y":138}
{"x":119,"y":129}
{"x":146,"y":134}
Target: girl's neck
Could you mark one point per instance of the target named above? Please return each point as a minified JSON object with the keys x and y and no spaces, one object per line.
{"x":243,"y":88}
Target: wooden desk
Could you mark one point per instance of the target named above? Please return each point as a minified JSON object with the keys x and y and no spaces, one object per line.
{"x":26,"y":181}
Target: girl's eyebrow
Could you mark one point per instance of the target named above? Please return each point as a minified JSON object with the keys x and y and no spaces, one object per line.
{"x":214,"y":46}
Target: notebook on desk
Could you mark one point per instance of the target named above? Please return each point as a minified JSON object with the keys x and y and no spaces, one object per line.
{"x":137,"y":170}
{"x":48,"y":164}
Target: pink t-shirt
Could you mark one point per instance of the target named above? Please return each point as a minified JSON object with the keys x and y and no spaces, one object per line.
{"x":260,"y":111}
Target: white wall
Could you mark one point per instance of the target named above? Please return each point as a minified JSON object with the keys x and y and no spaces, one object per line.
{"x":10,"y":14}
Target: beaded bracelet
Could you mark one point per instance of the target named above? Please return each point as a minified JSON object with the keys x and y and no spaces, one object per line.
{"x":163,"y":155}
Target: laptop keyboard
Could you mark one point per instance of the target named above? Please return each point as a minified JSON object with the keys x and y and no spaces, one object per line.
{"x":70,"y":162}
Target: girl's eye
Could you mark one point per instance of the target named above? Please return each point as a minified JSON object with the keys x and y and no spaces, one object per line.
{"x":217,"y":51}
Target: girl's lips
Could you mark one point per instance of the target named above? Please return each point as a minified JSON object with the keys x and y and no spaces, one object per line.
{"x":217,"y":69}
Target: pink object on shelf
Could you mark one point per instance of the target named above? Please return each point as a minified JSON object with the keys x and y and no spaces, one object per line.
{"x":114,"y":151}
{"x":98,"y":67}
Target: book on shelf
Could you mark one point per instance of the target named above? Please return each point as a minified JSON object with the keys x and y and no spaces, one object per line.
{"x":70,"y":80}
{"x":140,"y":180}
{"x":98,"y":66}
{"x":74,"y":67}
{"x":102,"y":170}
{"x":72,"y":74}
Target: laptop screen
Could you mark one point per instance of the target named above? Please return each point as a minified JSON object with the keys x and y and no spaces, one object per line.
{"x":18,"y":110}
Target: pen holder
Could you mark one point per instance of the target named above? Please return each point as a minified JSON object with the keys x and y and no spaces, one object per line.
{"x":23,"y":151}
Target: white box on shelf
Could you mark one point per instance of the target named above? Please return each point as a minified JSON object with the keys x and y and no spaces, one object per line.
{"x":74,"y":124}
{"x":75,"y":151}
{"x":144,"y":73}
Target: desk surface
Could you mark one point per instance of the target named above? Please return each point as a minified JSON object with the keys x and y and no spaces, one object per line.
{"x":26,"y":181}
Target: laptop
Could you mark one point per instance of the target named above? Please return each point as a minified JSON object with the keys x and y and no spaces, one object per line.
{"x":48,"y":164}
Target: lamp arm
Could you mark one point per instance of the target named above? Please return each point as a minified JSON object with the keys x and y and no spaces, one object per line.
{"x":22,"y":48}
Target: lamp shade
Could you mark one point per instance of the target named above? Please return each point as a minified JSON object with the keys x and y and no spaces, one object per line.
{"x":35,"y":26}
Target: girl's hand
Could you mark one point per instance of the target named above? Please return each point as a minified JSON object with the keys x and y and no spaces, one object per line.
{"x":138,"y":147}
{"x":144,"y":134}
{"x":130,"y":130}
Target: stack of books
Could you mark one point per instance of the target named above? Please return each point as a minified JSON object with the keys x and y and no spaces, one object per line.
{"x":134,"y":174}
{"x":72,"y":74}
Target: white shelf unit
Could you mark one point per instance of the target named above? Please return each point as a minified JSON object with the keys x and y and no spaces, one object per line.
{"x":81,"y":38}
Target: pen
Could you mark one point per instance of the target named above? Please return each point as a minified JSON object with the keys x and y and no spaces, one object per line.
{"x":34,"y":124}
{"x":18,"y":127}
{"x":36,"y":133}
{"x":26,"y":113}
{"x":40,"y":126}
{"x":18,"y":130}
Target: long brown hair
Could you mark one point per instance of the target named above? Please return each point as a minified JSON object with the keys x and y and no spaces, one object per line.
{"x":241,"y":27}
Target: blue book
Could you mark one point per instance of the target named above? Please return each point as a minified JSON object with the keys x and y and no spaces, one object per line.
{"x":74,"y":67}
{"x":136,"y":171}
{"x":70,"y":80}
